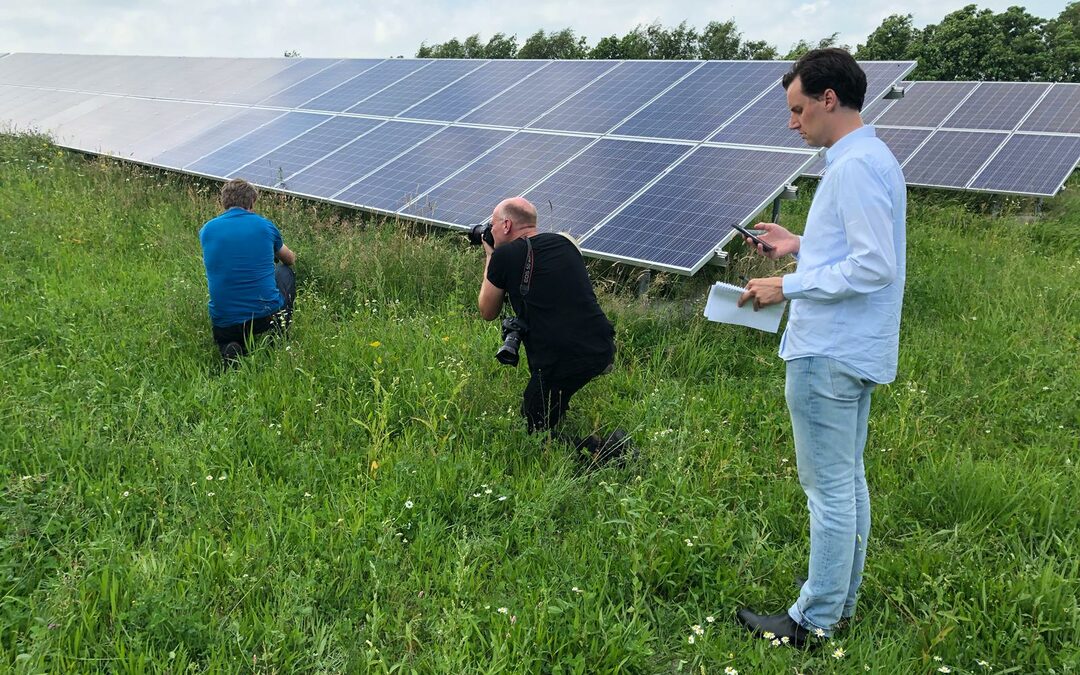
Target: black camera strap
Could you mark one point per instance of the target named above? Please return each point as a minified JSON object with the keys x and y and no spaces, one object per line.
{"x":526,"y":279}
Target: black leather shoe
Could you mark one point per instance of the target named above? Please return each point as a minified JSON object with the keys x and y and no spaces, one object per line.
{"x":775,"y":627}
{"x":839,"y":626}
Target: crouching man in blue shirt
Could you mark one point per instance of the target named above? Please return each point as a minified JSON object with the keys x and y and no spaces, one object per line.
{"x":250,"y":293}
{"x":842,"y":334}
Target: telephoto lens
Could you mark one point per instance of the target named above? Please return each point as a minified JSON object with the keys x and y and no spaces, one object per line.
{"x":513,"y":329}
{"x":481,"y":232}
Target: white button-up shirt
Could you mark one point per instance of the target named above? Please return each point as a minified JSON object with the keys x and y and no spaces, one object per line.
{"x":848,"y":287}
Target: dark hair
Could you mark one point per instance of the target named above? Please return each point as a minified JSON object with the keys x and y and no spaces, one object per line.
{"x":238,"y":192}
{"x":832,"y":68}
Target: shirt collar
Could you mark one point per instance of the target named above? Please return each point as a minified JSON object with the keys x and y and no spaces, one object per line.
{"x":844,"y":144}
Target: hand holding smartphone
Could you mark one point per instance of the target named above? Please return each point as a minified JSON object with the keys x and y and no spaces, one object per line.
{"x":754,"y":238}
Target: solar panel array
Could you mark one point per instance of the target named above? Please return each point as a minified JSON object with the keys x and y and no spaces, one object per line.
{"x":650,"y":162}
{"x":1007,"y":137}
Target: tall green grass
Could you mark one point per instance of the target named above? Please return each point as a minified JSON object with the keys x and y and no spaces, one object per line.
{"x":363,"y":497}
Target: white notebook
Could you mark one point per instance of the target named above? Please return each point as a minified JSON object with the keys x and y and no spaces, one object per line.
{"x":721,"y":307}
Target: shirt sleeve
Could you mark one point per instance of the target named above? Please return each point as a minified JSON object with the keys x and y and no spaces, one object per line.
{"x":865,"y":211}
{"x":276,"y":234}
{"x":495,"y":273}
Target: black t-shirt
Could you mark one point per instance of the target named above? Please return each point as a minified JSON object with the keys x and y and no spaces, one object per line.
{"x":567,"y":329}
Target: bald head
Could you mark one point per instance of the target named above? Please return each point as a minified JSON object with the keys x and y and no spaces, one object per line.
{"x":519,"y":210}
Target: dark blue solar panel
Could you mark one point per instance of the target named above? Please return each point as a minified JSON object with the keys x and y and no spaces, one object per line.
{"x":926,"y":104}
{"x":416,"y":87}
{"x":415,"y":172}
{"x":526,"y":101}
{"x":996,"y":105}
{"x":1031,"y":164}
{"x":216,"y":136}
{"x":614,"y":97}
{"x":595,"y":183}
{"x":295,"y":71}
{"x":335,"y":172}
{"x":280,"y":163}
{"x":679,"y":221}
{"x":319,"y":83}
{"x":902,"y":142}
{"x":231,"y":157}
{"x":351,"y":92}
{"x":951,"y":158}
{"x":684,"y":113}
{"x":766,"y":121}
{"x":1058,"y":112}
{"x":473,"y":90}
{"x":507,"y":171}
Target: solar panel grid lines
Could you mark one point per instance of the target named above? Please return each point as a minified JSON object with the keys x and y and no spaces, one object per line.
{"x":598,"y":181}
{"x":1057,"y":112}
{"x":309,"y":147}
{"x":243,"y":122}
{"x":223,"y":161}
{"x":1008,"y":172}
{"x":702,"y":195}
{"x":357,"y":160}
{"x":468,"y":196}
{"x":903,"y":142}
{"x":318,"y":83}
{"x":616,"y":97}
{"x":995,"y":105}
{"x":926,"y":104}
{"x":520,"y":105}
{"x":679,"y":113}
{"x":302,"y":71}
{"x":416,"y":87}
{"x":950,"y":158}
{"x":415,"y":171}
{"x":474,"y":90}
{"x":362,"y":85}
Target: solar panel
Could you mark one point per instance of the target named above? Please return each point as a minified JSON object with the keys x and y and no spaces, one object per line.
{"x":214,"y":137}
{"x":996,"y":105}
{"x":765,"y":122}
{"x":353,"y":132}
{"x":950,"y":158}
{"x":319,"y":83}
{"x":473,"y":90}
{"x":282,"y":162}
{"x":603,"y":104}
{"x":597,"y":182}
{"x":1058,"y":112}
{"x":252,"y":145}
{"x":399,"y":182}
{"x":926,"y":104}
{"x":469,"y":196}
{"x":415,"y":88}
{"x":678,"y":222}
{"x":683,"y":113}
{"x":1011,"y":169}
{"x":524,"y":102}
{"x":349,"y":93}
{"x":328,"y":176}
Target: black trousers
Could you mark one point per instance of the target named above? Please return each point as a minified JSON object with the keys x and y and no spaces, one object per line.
{"x":277,"y":322}
{"x":547,"y":396}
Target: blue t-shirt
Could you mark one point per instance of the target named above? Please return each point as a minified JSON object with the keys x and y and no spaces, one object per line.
{"x":238,"y":251}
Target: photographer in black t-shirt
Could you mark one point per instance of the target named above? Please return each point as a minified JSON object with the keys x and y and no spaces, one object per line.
{"x":568,"y":340}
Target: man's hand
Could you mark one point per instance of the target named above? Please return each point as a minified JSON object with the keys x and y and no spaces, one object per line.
{"x":764,"y":292}
{"x":785,"y":242}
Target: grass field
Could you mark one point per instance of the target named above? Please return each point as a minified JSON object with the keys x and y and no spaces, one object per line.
{"x":364,"y":498}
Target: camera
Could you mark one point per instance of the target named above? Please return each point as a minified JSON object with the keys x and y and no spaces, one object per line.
{"x":513,"y":329}
{"x":481,"y":232}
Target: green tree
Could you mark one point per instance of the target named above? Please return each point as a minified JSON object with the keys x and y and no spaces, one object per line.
{"x":720,"y":40}
{"x":564,"y":44}
{"x":678,"y":43}
{"x":606,"y":48}
{"x":893,"y":40}
{"x":1062,"y":39}
{"x":501,"y":47}
{"x":757,"y":50}
{"x":803,"y":46}
{"x":472,"y":47}
{"x":970,"y":44}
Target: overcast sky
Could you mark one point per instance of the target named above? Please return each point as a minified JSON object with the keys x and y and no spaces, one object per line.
{"x":338,"y":28}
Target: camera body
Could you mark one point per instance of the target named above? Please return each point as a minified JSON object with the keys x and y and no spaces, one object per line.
{"x":513,"y":330}
{"x":481,"y":233}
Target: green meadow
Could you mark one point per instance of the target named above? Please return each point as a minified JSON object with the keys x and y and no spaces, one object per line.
{"x":362,"y":497}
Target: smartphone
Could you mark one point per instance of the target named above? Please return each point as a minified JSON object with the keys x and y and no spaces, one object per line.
{"x":753,"y":237}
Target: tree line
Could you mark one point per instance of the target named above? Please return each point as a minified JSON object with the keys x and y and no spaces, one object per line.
{"x":968,"y":44}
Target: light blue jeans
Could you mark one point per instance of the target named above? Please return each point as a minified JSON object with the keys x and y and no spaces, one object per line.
{"x":829,"y":404}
